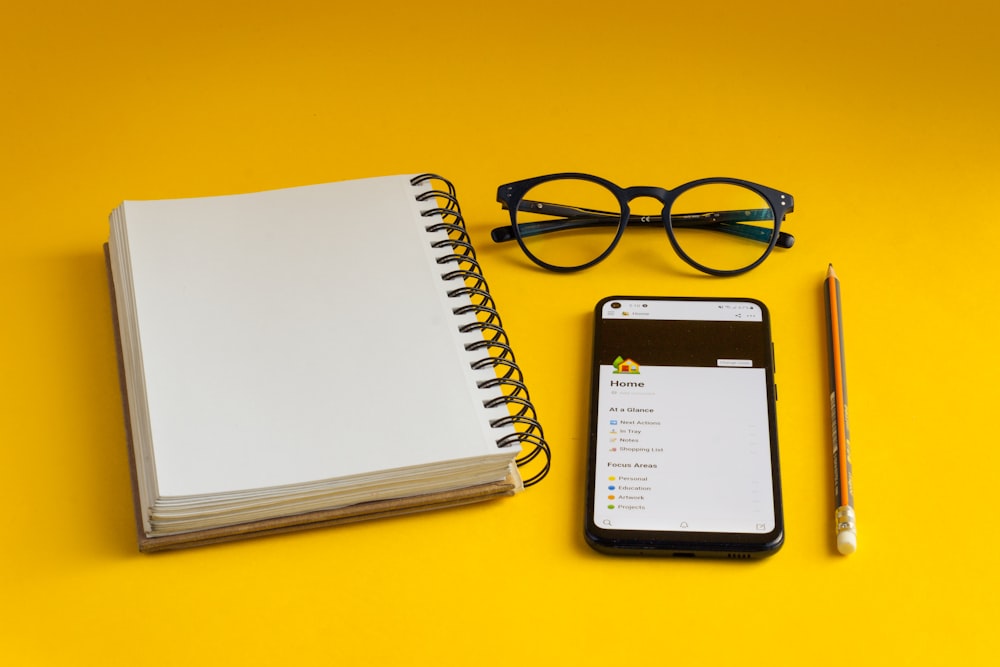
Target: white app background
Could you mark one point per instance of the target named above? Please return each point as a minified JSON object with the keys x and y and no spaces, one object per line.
{"x":688,"y":450}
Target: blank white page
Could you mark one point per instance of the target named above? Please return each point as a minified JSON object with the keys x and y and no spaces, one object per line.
{"x":298,"y":335}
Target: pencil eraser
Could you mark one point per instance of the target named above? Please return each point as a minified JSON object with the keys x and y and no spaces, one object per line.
{"x":847,"y":542}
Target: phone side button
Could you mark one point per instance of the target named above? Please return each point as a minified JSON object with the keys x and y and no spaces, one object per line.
{"x":775,"y":391}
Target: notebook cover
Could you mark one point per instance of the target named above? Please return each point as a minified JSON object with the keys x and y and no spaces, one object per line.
{"x":295,"y":522}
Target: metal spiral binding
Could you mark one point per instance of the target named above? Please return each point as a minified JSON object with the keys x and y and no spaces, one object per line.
{"x":494,"y":343}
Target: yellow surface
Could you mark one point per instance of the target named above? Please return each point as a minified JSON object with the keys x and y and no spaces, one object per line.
{"x":881,"y":120}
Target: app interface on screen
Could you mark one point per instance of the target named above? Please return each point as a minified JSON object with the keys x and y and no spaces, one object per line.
{"x":683,"y":440}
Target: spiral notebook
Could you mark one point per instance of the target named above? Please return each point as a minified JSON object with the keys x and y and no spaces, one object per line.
{"x":311,"y":356}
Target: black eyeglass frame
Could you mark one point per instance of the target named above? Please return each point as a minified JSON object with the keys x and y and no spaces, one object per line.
{"x":511,"y":198}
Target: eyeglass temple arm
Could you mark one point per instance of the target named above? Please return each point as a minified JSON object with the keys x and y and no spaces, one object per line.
{"x":574,"y":217}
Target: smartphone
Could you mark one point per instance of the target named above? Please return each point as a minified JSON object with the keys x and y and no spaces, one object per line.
{"x":683,"y":447}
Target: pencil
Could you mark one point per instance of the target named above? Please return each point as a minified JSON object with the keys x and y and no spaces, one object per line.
{"x":844,"y":520}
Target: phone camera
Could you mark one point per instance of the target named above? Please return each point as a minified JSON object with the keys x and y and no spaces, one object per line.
{"x":616,"y":304}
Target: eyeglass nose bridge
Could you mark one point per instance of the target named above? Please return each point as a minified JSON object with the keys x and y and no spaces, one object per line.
{"x":628,"y":195}
{"x":661,"y":195}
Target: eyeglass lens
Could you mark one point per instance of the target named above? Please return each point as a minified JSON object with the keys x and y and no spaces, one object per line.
{"x":711,"y":223}
{"x":568,"y":222}
{"x":571,"y":222}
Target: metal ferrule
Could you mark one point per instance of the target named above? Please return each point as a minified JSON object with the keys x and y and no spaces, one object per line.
{"x":845,"y":519}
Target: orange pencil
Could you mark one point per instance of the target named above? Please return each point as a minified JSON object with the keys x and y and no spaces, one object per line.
{"x":846,"y":531}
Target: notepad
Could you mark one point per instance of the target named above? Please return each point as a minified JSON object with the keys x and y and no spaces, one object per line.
{"x":308,"y":356}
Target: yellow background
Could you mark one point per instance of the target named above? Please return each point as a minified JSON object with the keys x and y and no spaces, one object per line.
{"x":880,"y":118}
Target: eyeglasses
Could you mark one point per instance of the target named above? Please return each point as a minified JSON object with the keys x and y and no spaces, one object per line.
{"x":721,"y":226}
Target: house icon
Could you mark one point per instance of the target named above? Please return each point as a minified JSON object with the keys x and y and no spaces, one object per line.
{"x":626,"y":366}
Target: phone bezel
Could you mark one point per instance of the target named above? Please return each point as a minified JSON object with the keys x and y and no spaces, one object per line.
{"x":683,"y":543}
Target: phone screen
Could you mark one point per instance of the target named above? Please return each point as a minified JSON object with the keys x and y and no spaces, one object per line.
{"x":683,"y":438}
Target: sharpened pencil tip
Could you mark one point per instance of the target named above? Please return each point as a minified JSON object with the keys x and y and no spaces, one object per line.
{"x":830,"y":273}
